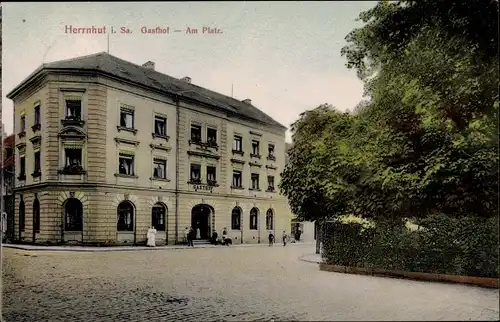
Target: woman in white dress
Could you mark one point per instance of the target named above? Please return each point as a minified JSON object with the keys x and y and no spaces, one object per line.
{"x":151,"y":237}
{"x":198,"y":233}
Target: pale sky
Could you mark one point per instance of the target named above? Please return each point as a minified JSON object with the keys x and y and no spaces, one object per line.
{"x":284,"y":56}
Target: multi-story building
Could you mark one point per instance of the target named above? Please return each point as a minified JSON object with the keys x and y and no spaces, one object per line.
{"x":7,"y":166}
{"x":106,"y":148}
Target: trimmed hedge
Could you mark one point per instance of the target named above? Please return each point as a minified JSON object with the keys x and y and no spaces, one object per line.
{"x":466,"y":246}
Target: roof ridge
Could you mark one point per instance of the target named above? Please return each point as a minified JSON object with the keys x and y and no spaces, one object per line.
{"x":75,"y":58}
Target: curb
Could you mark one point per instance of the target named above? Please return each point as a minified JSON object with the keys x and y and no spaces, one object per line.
{"x":429,"y":277}
{"x":305,"y":258}
{"x":125,"y":248}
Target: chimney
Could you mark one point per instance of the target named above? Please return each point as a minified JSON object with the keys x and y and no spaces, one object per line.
{"x":247,"y":101}
{"x":149,"y":65}
{"x":186,"y":79}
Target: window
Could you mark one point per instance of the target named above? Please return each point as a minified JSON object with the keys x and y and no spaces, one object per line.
{"x":255,"y":181}
{"x":195,"y":173}
{"x":160,"y":168}
{"x":237,"y":143}
{"x":160,"y":126}
{"x":73,"y":157}
{"x":269,"y":220}
{"x":254,"y":215}
{"x":73,"y":109}
{"x":158,"y":216}
{"x":237,"y":179}
{"x":212,"y":136}
{"x":195,"y":133}
{"x":22,"y":216}
{"x":125,"y":214}
{"x":211,"y":175}
{"x":73,"y":215}
{"x":126,"y":118}
{"x":37,"y":115}
{"x":126,"y":164}
{"x":255,"y":148}
{"x":37,"y":162}
{"x":270,"y":183}
{"x":236,"y":218}
{"x":36,"y":215}
{"x":22,"y":166}
{"x":270,"y":151}
{"x":23,"y":123}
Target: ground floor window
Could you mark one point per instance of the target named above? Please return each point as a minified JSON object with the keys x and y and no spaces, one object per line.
{"x":236,"y":219}
{"x":125,"y":216}
{"x":270,"y":220}
{"x":73,"y":213}
{"x":254,"y":214}
{"x":158,"y":217}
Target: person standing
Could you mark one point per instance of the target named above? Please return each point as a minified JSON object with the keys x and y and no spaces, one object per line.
{"x":198,"y":233}
{"x":284,"y":238}
{"x":191,"y":237}
{"x":271,"y":238}
{"x":186,"y":234}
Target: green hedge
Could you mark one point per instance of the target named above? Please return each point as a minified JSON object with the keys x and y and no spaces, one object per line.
{"x":466,"y":246}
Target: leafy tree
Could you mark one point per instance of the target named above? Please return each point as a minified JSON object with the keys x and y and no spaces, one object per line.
{"x":426,"y":140}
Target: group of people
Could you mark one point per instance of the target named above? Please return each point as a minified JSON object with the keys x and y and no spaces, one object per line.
{"x":190,"y":234}
{"x":284,"y":238}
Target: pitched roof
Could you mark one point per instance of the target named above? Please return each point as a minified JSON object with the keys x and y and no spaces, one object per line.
{"x":123,"y":69}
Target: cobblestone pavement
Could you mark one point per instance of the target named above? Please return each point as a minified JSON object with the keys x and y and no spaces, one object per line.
{"x":235,"y":284}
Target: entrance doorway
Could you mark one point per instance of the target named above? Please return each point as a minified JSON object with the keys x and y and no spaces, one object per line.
{"x":200,"y":218}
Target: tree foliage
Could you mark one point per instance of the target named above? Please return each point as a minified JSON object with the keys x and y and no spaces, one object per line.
{"x":426,"y":141}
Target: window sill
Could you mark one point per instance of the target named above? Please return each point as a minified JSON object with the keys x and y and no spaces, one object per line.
{"x":21,"y":134}
{"x":194,"y":182}
{"x":121,"y":175}
{"x":22,"y":178}
{"x":256,"y":156}
{"x":72,"y":122}
{"x":36,"y":174}
{"x":237,"y":188}
{"x":160,"y":136}
{"x":36,"y":127}
{"x":253,"y":229}
{"x":72,"y":171}
{"x":159,"y":179}
{"x":127,"y":129}
{"x":253,"y":189}
{"x":238,"y":152}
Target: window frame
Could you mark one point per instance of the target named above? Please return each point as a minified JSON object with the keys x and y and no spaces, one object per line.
{"x":252,"y":177}
{"x":199,"y":128}
{"x":240,"y":173}
{"x":196,"y":166}
{"x":125,"y":227}
{"x":163,"y":119}
{"x":237,"y":140}
{"x":163,"y":215}
{"x":127,"y":111}
{"x":162,"y":162}
{"x":269,"y":187}
{"x":76,"y":216}
{"x":255,"y":143}
{"x":236,"y":213}
{"x":214,"y":141}
{"x":254,"y":215}
{"x":66,"y":114}
{"x":126,"y":157}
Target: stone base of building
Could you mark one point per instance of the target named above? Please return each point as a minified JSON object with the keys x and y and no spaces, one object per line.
{"x":111,"y":216}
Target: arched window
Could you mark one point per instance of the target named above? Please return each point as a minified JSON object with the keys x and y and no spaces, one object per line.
{"x":22,"y":216}
{"x":125,"y":216}
{"x":269,"y":220}
{"x":158,"y":216}
{"x":73,"y":215}
{"x":36,"y":215}
{"x":254,"y":215}
{"x":236,"y":218}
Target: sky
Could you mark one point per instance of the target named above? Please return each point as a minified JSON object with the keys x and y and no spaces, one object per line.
{"x":284,"y":56}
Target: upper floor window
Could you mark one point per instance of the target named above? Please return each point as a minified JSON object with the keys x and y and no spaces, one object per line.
{"x":195,"y":173}
{"x":37,"y":115}
{"x":270,"y":152}
{"x":211,"y":175}
{"x":126,"y":164}
{"x":127,"y":118}
{"x":73,"y":109}
{"x":195,"y":133}
{"x":22,"y":168}
{"x":212,"y":136}
{"x":270,"y":183}
{"x":237,"y":182}
{"x":22,"y":124}
{"x":73,"y":157}
{"x":37,"y":165}
{"x":255,"y":181}
{"x":160,"y":168}
{"x":160,"y":126}
{"x":237,"y":143}
{"x":255,"y":148}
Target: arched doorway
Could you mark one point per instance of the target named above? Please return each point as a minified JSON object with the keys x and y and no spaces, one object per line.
{"x":36,"y":217}
{"x":159,"y":221}
{"x":125,"y":222}
{"x":73,"y":220}
{"x":200,"y":218}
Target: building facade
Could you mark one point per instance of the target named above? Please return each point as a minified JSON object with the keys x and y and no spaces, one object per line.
{"x":8,"y":172}
{"x":106,"y":148}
